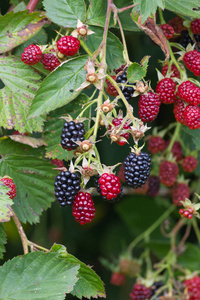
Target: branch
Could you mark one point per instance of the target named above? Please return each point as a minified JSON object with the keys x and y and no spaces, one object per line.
{"x":21,"y":232}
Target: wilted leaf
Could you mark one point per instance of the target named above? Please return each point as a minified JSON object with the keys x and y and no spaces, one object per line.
{"x":27,"y":140}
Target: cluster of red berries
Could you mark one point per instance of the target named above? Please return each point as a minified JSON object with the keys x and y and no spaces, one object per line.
{"x":109,"y":186}
{"x":142,"y":292}
{"x":9,"y":183}
{"x":186,"y":212}
{"x":168,"y":30}
{"x":192,"y":288}
{"x":66,"y":45}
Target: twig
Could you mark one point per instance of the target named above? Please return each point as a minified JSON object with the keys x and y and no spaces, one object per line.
{"x":21,"y":232}
{"x":32,"y":5}
{"x":125,"y":8}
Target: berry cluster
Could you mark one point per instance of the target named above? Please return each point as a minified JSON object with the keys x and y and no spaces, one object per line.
{"x":109,"y":186}
{"x":50,"y":61}
{"x":192,"y":288}
{"x":173,"y":70}
{"x":126,"y":87}
{"x":67,"y":185}
{"x":68,"y":45}
{"x":72,"y":132}
{"x":137,"y":169}
{"x":186,"y":212}
{"x":191,"y":60}
{"x":83,"y":208}
{"x":140,"y":292}
{"x":167,"y":30}
{"x":31,"y":55}
{"x":166,"y":90}
{"x":149,"y":105}
{"x":180,"y":191}
{"x":110,"y":89}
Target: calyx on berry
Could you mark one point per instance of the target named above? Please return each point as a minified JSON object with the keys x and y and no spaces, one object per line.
{"x":82,"y":30}
{"x":107,"y":106}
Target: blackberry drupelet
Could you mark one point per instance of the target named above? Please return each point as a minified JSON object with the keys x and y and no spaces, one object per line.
{"x":71,"y":133}
{"x":127,"y":90}
{"x":185,"y":39}
{"x":109,"y":186}
{"x":67,"y":186}
{"x":137,"y":169}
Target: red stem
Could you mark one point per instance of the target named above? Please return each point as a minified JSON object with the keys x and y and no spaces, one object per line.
{"x":32,"y":5}
{"x":125,"y":8}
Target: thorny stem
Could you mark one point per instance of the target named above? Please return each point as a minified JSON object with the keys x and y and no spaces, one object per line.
{"x":123,"y":40}
{"x":147,"y":232}
{"x":105,"y":33}
{"x":123,"y":98}
{"x":32,"y":5}
{"x":125,"y":8}
{"x":175,"y":135}
{"x":21,"y":232}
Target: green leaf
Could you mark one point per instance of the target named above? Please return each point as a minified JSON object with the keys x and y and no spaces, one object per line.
{"x":96,"y":14}
{"x":59,"y":88}
{"x":114,"y":53}
{"x":21,"y":84}
{"x":16,"y":28}
{"x":148,"y":7}
{"x":195,"y":134}
{"x":190,"y":258}
{"x":65,"y":12}
{"x":89,"y":284}
{"x":2,"y":240}
{"x":37,"y":275}
{"x":184,"y":7}
{"x":5,"y":203}
{"x":135,"y":72}
{"x":54,"y":125}
{"x":34,"y":179}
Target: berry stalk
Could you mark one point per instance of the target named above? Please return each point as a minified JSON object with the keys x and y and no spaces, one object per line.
{"x":21,"y":232}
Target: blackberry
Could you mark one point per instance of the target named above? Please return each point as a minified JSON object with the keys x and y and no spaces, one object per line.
{"x":185,"y":39}
{"x":83,"y":208}
{"x":127,"y":90}
{"x":137,"y":169}
{"x":155,"y":287}
{"x":67,"y":186}
{"x":154,"y":185}
{"x":189,"y":163}
{"x":68,"y":45}
{"x":109,"y":186}
{"x":9,"y":183}
{"x":140,"y":292}
{"x":71,"y":133}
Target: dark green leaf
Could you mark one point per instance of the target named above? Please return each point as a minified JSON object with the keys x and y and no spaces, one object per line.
{"x":5,"y":203}
{"x":21,"y":84}
{"x":195,"y":134}
{"x":16,"y":28}
{"x":148,"y":7}
{"x":34,"y":179}
{"x":54,"y":125}
{"x":59,"y":88}
{"x":114,"y":53}
{"x":190,"y":258}
{"x":184,"y":7}
{"x":65,"y":12}
{"x":37,"y":275}
{"x":2,"y":240}
{"x":89,"y":284}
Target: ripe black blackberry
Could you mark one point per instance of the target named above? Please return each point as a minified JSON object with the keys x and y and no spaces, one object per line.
{"x":67,"y":185}
{"x":128,"y":90}
{"x":155,"y":287}
{"x":137,"y":169}
{"x":71,"y":133}
{"x":185,"y":38}
{"x":154,"y":185}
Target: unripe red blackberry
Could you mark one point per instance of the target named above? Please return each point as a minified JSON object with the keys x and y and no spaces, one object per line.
{"x":50,"y":61}
{"x":192,"y":116}
{"x":68,"y":45}
{"x":140,"y":292}
{"x":175,"y":72}
{"x":177,"y":151}
{"x":9,"y":183}
{"x":168,"y":30}
{"x":71,"y":133}
{"x":117,"y":123}
{"x":121,"y":68}
{"x":57,"y":162}
{"x":156,"y":144}
{"x":110,"y":89}
{"x":177,"y":24}
{"x":195,"y":26}
{"x":168,"y":171}
{"x":179,"y":108}
{"x":180,"y":191}
{"x":166,"y":90}
{"x":149,"y":105}
{"x":118,"y":279}
{"x":31,"y":55}
{"x":191,"y":60}
{"x":67,"y":185}
{"x":137,"y":169}
{"x":109,"y":186}
{"x":192,"y":288}
{"x":189,"y":92}
{"x":83,"y":208}
{"x":127,"y":90}
{"x":154,"y":185}
{"x":189,"y":163}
